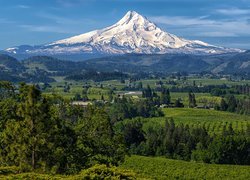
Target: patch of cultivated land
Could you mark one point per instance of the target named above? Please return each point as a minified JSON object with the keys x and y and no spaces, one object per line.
{"x":162,"y":168}
{"x":212,"y":120}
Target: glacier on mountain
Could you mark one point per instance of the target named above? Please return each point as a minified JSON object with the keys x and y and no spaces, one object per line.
{"x":134,"y":33}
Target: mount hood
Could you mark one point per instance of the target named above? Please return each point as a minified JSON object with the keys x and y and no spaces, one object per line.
{"x":134,"y":33}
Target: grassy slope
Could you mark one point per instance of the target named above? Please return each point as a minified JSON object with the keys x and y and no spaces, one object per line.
{"x":211,"y":119}
{"x":162,"y":168}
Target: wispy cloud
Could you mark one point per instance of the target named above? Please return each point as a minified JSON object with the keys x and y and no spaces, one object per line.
{"x":233,"y":11}
{"x":205,"y":26}
{"x":22,"y":6}
{"x":45,"y":28}
{"x":71,"y":3}
{"x":182,"y":20}
{"x":216,"y":34}
{"x":63,"y":20}
{"x":6,"y":21}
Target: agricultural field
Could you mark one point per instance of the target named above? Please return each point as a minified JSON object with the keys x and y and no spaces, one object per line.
{"x":208,"y":81}
{"x":117,"y":86}
{"x":141,"y":167}
{"x":95,"y":91}
{"x":162,"y":168}
{"x":201,"y":98}
{"x":212,"y":120}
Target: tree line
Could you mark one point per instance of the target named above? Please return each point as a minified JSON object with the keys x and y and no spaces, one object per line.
{"x":187,"y":143}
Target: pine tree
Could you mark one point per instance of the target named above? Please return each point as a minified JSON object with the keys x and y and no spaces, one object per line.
{"x":192,"y":100}
{"x":232,"y":103}
{"x":223,"y":105}
{"x":30,"y":131}
{"x":165,"y":96}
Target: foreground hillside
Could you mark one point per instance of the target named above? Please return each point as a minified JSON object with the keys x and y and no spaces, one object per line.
{"x":140,"y":167}
{"x":162,"y":168}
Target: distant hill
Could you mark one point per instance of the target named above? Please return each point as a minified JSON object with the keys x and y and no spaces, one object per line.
{"x":13,"y":70}
{"x":53,"y":65}
{"x":44,"y":68}
{"x":10,"y":64}
{"x":238,"y":63}
{"x":10,"y":69}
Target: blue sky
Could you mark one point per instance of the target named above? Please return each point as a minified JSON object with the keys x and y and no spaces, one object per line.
{"x":219,"y":22}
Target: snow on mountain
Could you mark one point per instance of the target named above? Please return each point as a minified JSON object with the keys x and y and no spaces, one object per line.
{"x":134,"y":33}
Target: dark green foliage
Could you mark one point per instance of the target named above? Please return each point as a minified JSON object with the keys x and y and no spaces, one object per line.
{"x":77,"y":97}
{"x":186,"y":143}
{"x":178,"y":103}
{"x":96,"y":172}
{"x":9,"y":170}
{"x":192,"y":100}
{"x":217,"y":92}
{"x":223,"y":105}
{"x":49,"y":135}
{"x":31,"y":129}
{"x":104,"y":172}
{"x":133,"y":133}
{"x":232,"y":103}
{"x":123,"y":108}
{"x":165,"y":96}
{"x":147,"y":92}
{"x":96,"y":142}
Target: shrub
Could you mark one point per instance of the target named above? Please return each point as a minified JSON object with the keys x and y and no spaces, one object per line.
{"x":9,"y":170}
{"x":105,"y":172}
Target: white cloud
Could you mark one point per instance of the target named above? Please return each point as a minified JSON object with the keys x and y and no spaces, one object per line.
{"x":6,"y":21}
{"x":206,"y":27}
{"x":233,"y":11}
{"x":71,"y":3}
{"x":21,"y":6}
{"x":63,"y":20}
{"x":182,"y":20}
{"x":217,"y":34}
{"x":45,"y":28}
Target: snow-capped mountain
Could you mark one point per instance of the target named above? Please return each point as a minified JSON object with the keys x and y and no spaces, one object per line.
{"x":134,"y":33}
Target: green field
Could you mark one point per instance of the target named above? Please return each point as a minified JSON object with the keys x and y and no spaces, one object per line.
{"x":207,"y":81}
{"x":116,"y":85}
{"x":211,"y":119}
{"x":141,"y":167}
{"x":162,"y":168}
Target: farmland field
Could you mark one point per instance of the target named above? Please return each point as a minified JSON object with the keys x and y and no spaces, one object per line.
{"x":211,"y":119}
{"x":162,"y":168}
{"x":207,"y":81}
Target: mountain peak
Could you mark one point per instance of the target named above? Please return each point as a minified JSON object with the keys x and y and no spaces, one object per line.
{"x":133,"y":17}
{"x":132,"y":13}
{"x":134,"y":33}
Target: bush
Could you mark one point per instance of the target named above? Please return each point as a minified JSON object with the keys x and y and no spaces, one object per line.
{"x":9,"y":170}
{"x":104,"y":172}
